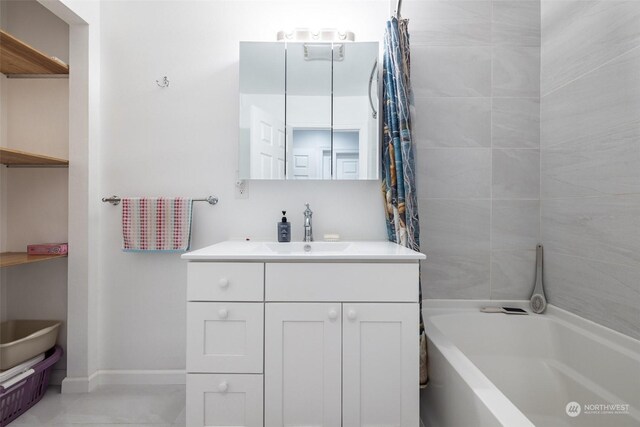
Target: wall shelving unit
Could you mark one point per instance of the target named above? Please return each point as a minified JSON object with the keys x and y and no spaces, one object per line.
{"x":9,"y":259}
{"x":18,"y":59}
{"x":17,"y":158}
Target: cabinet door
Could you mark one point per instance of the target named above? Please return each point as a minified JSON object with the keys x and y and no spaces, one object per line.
{"x":380,"y":365}
{"x":224,"y":337}
{"x":302,"y":364}
{"x":216,"y":400}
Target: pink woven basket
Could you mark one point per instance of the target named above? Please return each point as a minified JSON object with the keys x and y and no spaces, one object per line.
{"x":18,"y":398}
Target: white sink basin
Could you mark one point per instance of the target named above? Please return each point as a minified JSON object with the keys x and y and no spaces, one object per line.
{"x":307,"y":248}
{"x":307,"y":252}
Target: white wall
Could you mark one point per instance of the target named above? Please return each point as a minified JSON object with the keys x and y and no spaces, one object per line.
{"x":3,"y":177}
{"x":83,"y":17}
{"x":3,"y":170}
{"x":182,"y":141}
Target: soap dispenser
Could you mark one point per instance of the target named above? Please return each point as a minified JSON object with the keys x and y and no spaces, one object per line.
{"x":284,"y":229}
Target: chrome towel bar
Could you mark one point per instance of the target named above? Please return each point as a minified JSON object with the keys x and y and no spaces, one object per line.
{"x":115,"y":200}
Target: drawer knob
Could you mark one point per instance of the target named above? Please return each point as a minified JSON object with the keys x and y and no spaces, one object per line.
{"x":223,"y":313}
{"x":333,"y":314}
{"x":223,"y":386}
{"x":224,"y":283}
{"x":352,"y":315}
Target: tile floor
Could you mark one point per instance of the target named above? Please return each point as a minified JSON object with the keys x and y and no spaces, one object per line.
{"x":148,"y":406}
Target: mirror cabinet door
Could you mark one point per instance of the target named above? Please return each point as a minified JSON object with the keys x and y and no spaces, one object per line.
{"x":355,"y":111}
{"x":262,"y":111}
{"x":308,"y":110}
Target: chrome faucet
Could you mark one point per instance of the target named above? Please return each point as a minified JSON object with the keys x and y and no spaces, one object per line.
{"x":308,"y":229}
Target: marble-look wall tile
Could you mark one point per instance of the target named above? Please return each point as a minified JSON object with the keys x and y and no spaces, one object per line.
{"x":579,"y":36}
{"x":608,"y":294}
{"x":606,"y":228}
{"x":449,"y":23}
{"x":601,"y":106}
{"x":516,"y":71}
{"x":515,"y":224}
{"x":512,"y":274}
{"x":454,"y":173}
{"x":516,"y":174}
{"x":455,"y":226}
{"x":515,"y":123}
{"x":475,"y":77}
{"x":456,"y":241}
{"x":463,"y":275}
{"x":590,"y":159}
{"x":451,"y":71}
{"x":592,"y":168}
{"x":453,"y":122}
{"x":516,"y":23}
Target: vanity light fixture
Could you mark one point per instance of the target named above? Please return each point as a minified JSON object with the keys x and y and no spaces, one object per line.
{"x":321,"y":35}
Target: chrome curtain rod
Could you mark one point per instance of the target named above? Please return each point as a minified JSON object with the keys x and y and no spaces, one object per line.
{"x":115,"y":200}
{"x":398,"y":7}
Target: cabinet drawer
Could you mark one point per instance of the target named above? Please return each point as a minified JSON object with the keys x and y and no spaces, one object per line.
{"x":224,"y":400}
{"x":225,"y":337}
{"x":225,"y":281}
{"x":364,"y":282}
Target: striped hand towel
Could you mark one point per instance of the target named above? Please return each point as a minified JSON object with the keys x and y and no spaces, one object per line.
{"x":156,"y":224}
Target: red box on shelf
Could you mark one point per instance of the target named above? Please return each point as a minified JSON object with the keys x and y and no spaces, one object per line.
{"x":48,"y":249}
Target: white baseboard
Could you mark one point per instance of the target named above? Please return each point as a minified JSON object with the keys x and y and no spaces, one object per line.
{"x":125,"y":377}
{"x":151,"y":377}
{"x":80,"y":384}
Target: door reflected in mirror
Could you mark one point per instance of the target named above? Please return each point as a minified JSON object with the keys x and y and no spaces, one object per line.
{"x":309,"y":111}
{"x":312,"y":156}
{"x":262,"y":106}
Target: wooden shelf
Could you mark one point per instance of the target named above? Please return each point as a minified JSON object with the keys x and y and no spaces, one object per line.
{"x":9,"y":259}
{"x":17,"y":57}
{"x":11,"y":157}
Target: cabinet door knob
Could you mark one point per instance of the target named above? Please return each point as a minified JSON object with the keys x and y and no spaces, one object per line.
{"x":351,"y":314}
{"x":223,"y":386}
{"x":223,"y":313}
{"x":333,"y":314}
{"x":224,"y":283}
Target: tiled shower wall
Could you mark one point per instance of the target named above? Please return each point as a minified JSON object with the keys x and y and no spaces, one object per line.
{"x":475,"y":75}
{"x":590,"y":159}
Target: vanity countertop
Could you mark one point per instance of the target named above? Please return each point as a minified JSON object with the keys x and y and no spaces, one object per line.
{"x":301,"y":251}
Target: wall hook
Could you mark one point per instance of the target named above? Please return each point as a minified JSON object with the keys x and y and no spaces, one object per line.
{"x":163,"y":83}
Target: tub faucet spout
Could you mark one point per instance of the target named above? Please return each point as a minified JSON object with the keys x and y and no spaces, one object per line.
{"x":538,"y":300}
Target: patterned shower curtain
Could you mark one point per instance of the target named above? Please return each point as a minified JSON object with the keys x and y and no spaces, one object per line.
{"x":398,"y":164}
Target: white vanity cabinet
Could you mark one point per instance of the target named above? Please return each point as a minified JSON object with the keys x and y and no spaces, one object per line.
{"x":300,"y":342}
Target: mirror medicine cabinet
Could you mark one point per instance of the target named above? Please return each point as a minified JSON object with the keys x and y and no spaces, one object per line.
{"x":309,"y":110}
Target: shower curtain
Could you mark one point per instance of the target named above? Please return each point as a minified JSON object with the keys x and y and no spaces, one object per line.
{"x":398,"y":164}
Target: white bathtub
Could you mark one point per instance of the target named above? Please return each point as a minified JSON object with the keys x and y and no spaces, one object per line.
{"x":497,"y":369}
